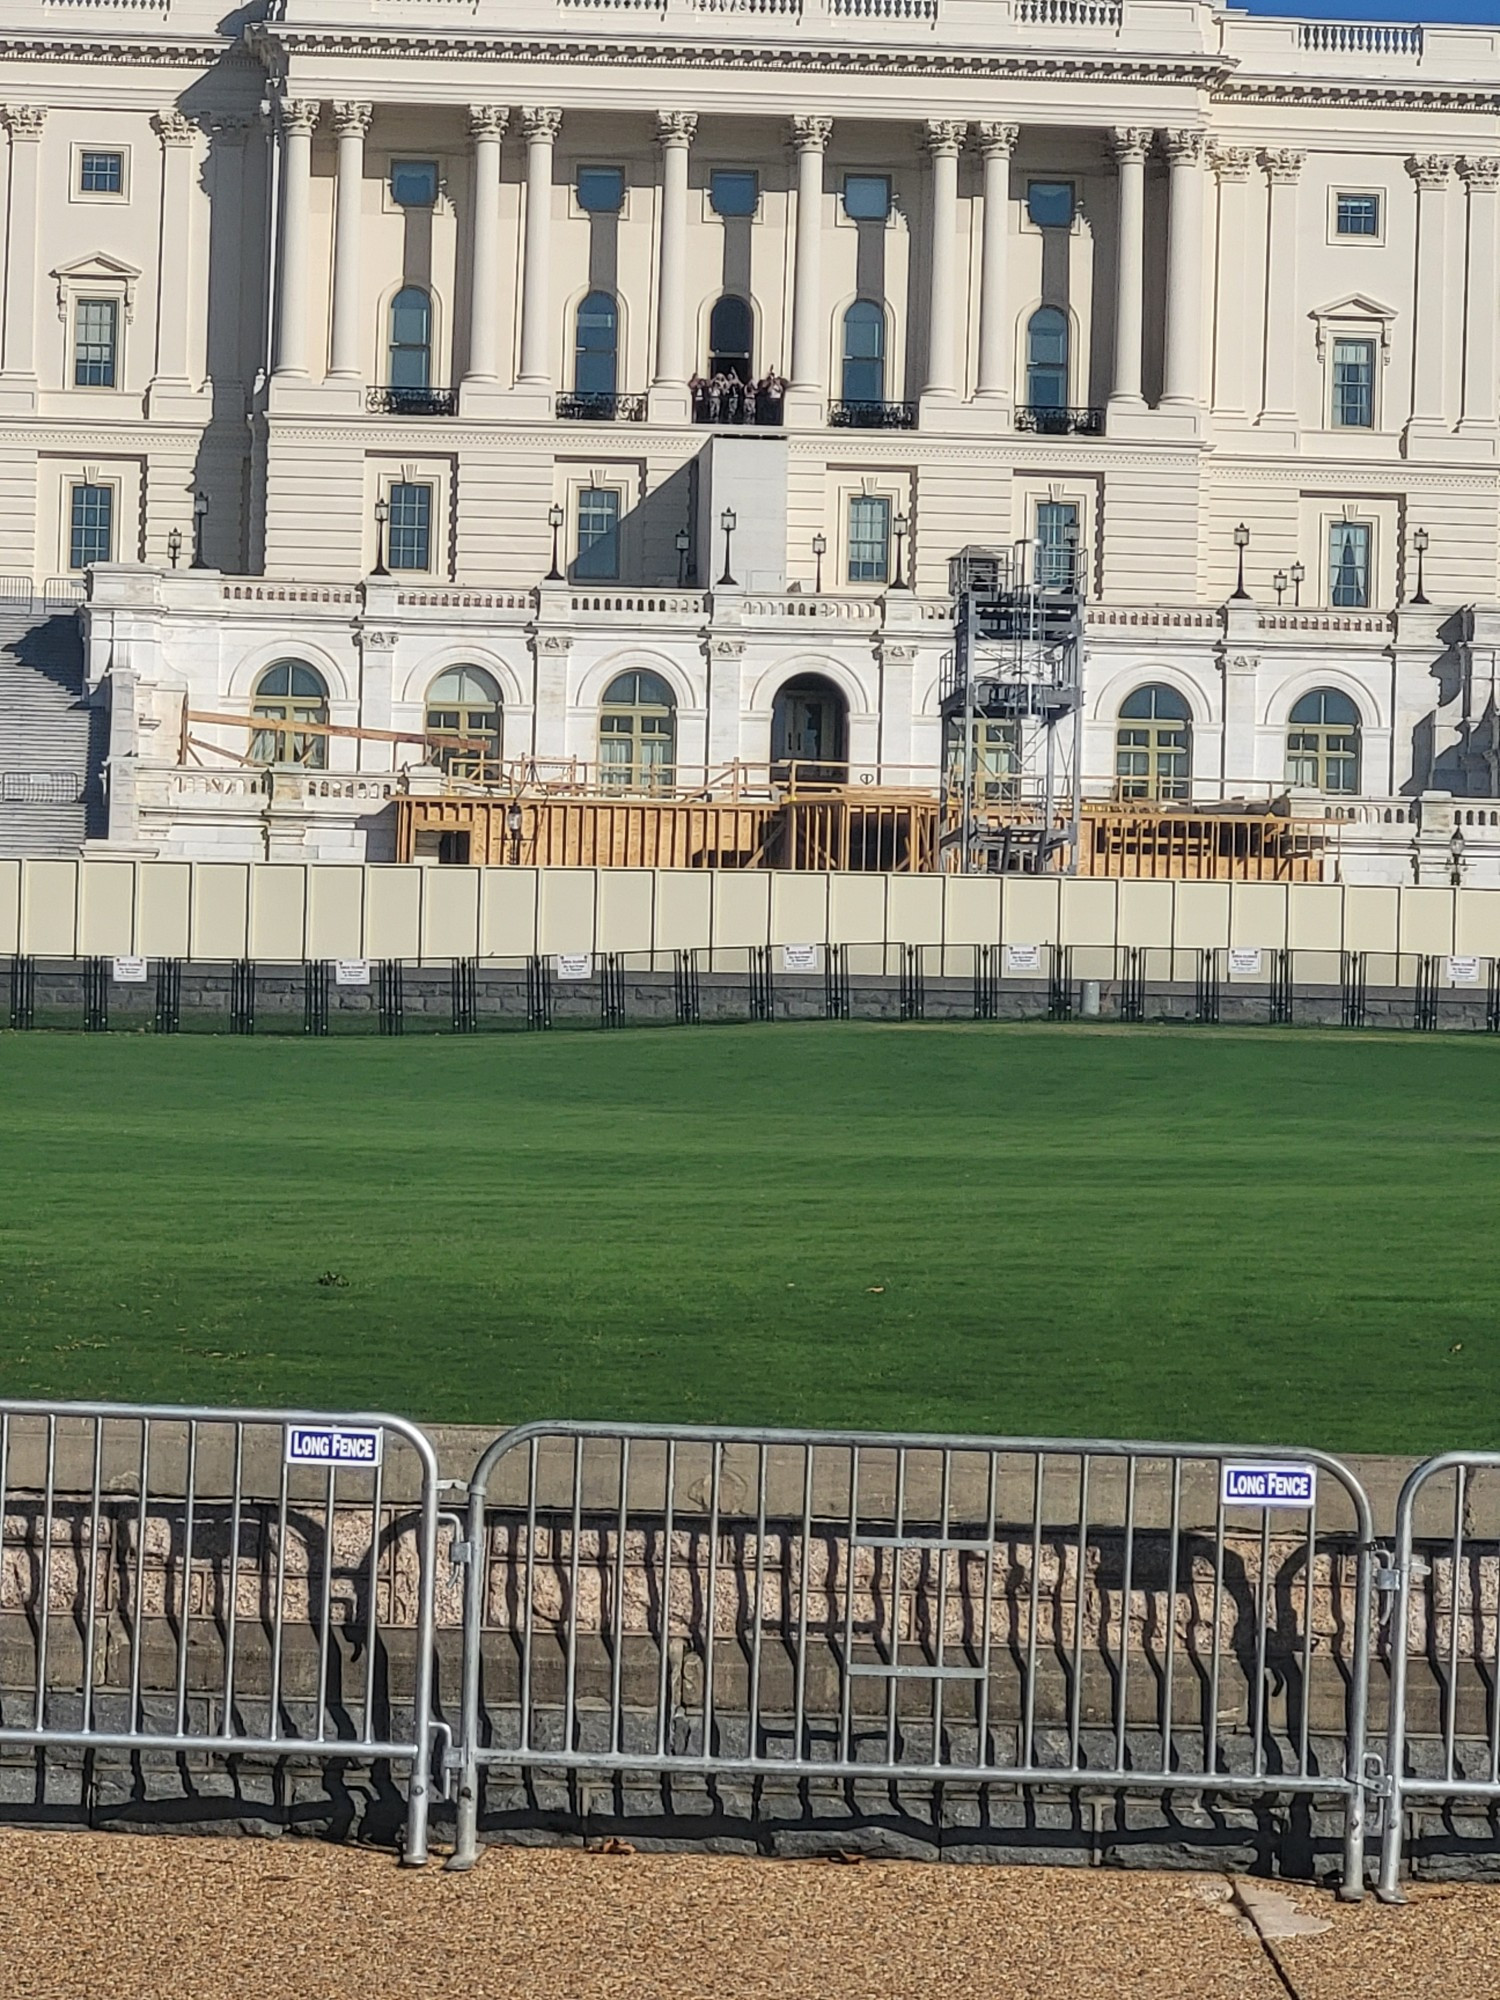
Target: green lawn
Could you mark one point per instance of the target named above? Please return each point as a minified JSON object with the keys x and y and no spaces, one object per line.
{"x":1267,"y":1235}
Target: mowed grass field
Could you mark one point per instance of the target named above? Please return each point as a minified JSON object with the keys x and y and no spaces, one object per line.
{"x":1272,"y":1235}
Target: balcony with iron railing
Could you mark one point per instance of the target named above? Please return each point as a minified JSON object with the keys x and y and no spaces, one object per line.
{"x":387,"y":400}
{"x":1045,"y":420}
{"x":597,"y":407}
{"x":856,"y":415}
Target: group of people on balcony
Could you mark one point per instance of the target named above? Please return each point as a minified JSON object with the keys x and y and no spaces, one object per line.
{"x":725,"y":398}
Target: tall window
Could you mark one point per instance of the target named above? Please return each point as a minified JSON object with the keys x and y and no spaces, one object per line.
{"x":637,"y":734}
{"x":869,"y":539}
{"x":1349,"y":565}
{"x":91,"y":527}
{"x":411,"y":339}
{"x":598,"y":533}
{"x":95,"y":341}
{"x":463,"y":722}
{"x":410,"y":535}
{"x":1047,"y":359}
{"x":1153,"y":745}
{"x":864,"y":353}
{"x":597,"y":346}
{"x":731,"y":338}
{"x":1354,"y":384}
{"x":1056,"y":543}
{"x":1322,"y":743}
{"x":286,"y":695}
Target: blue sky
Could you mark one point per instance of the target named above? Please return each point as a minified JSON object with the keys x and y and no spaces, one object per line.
{"x":1484,"y":12}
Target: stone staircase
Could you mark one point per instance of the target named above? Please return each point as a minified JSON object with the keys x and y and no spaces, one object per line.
{"x":51,"y":744}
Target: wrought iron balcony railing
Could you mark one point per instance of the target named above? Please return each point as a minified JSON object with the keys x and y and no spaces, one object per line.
{"x":1049,"y":422}
{"x":860,"y":416}
{"x":601,"y":409}
{"x":390,"y":401}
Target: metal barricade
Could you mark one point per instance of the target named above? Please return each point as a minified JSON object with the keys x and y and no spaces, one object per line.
{"x":1443,"y":1739}
{"x":228,"y":1582}
{"x":1025,"y":1612}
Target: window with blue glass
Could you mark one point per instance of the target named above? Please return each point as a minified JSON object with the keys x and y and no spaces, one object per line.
{"x":864,"y":353}
{"x":869,"y":539}
{"x":101,"y":173}
{"x":91,"y":526}
{"x":1357,"y":215}
{"x":733,"y":191}
{"x":1354,"y":385}
{"x":410,"y":351}
{"x":1056,"y":543}
{"x":96,"y":325}
{"x":1349,"y":565}
{"x":414,"y":183}
{"x":600,"y":190}
{"x":409,"y":544}
{"x":598,"y":533}
{"x":597,"y":350}
{"x":1047,"y":359}
{"x":1049,"y":204}
{"x":867,"y":197}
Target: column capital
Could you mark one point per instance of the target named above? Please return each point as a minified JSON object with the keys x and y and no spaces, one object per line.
{"x":1129,"y":142}
{"x":540,"y":122}
{"x":809,"y":134}
{"x":996,"y":142}
{"x":299,"y":115}
{"x":944,"y":137}
{"x":1231,"y":163}
{"x":1431,"y":171}
{"x":1185,"y":148}
{"x":174,"y":127}
{"x":676,"y":128}
{"x":488,"y":121}
{"x":351,"y":119}
{"x":1480,"y":176}
{"x":1283,"y":165}
{"x":24,"y":121}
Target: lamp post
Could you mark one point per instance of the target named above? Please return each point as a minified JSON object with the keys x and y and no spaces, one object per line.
{"x":819,"y":549}
{"x":554,"y":522}
{"x":1241,"y":543}
{"x":898,"y":528}
{"x":727,"y":521}
{"x":200,"y":511}
{"x":1279,"y":584}
{"x":1419,"y":542}
{"x":1299,"y":577}
{"x":682,"y":542}
{"x":174,"y":547}
{"x":382,"y":515}
{"x":1455,"y":852}
{"x":513,"y":828}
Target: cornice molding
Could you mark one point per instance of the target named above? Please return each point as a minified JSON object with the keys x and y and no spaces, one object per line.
{"x":128,"y":51}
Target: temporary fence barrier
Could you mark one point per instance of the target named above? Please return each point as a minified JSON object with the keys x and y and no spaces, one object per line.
{"x":846,"y":1605}
{"x":235,"y":1582}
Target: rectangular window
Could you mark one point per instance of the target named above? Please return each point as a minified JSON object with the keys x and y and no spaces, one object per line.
{"x":1354,"y":385}
{"x":91,"y":528}
{"x":1050,"y":204}
{"x":733,"y":191}
{"x":1357,"y":215}
{"x":101,"y":173}
{"x":598,"y":533}
{"x":95,"y":324}
{"x":867,"y":197}
{"x":1056,"y":543}
{"x":601,"y":190}
{"x":869,"y":540}
{"x":410,"y":527}
{"x":1349,"y":565}
{"x":414,"y":183}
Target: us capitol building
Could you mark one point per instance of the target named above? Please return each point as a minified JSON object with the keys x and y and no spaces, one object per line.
{"x":402,"y":396}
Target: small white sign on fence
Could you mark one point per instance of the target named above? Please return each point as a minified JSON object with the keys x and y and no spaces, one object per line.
{"x":129,"y":972}
{"x":575,"y":965}
{"x":351,"y":972}
{"x":1463,"y":971}
{"x":1269,"y":1485}
{"x":799,"y":958}
{"x":1022,"y":960}
{"x":1244,"y":961}
{"x":333,"y":1444}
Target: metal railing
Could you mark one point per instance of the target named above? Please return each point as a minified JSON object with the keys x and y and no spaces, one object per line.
{"x":218,"y":1581}
{"x":388,"y":400}
{"x":601,"y":409}
{"x":862,"y":416}
{"x":1047,"y":421}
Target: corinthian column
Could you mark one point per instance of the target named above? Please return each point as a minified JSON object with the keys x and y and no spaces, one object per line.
{"x":1283,"y":169}
{"x":298,"y":117}
{"x":350,"y":122}
{"x":996,"y":352}
{"x":539,"y":128}
{"x":943,"y":139}
{"x":1433,"y":174}
{"x":1182,"y":369}
{"x":1238,"y":284}
{"x":1481,"y":177}
{"x":1130,"y":146}
{"x":24,"y":124}
{"x":809,"y":139}
{"x":174,"y":304}
{"x":487,"y":124}
{"x":669,"y":402}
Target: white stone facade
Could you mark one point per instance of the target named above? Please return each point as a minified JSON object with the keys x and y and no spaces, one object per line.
{"x":1139,"y":268}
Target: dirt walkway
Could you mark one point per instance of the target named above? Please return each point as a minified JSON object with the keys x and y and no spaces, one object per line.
{"x":107,"y":1917}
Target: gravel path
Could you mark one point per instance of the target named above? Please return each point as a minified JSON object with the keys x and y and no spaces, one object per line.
{"x":108,"y":1917}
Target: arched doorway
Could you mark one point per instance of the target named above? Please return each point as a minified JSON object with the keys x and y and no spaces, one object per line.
{"x":809,"y":732}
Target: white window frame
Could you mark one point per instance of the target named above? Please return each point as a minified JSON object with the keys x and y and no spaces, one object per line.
{"x":77,"y":191}
{"x":79,"y":300}
{"x":1350,"y":517}
{"x":1356,"y":318}
{"x":1337,"y":236}
{"x":434,"y":472}
{"x":1341,"y":337}
{"x":859,"y":497}
{"x":88,"y":475}
{"x":599,"y":481}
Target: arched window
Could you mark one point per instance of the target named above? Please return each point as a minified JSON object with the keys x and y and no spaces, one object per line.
{"x":410,"y":349}
{"x":864,"y":353}
{"x":809,"y":732}
{"x":1154,"y":745}
{"x":637,"y":734}
{"x":286,"y":695}
{"x":596,"y":352}
{"x":463,"y":723}
{"x":1047,"y":359}
{"x":731,"y":338}
{"x":1322,"y":743}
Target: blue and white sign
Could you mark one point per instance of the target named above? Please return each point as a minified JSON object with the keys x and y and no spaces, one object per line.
{"x":1270,"y":1485}
{"x":332,"y":1444}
